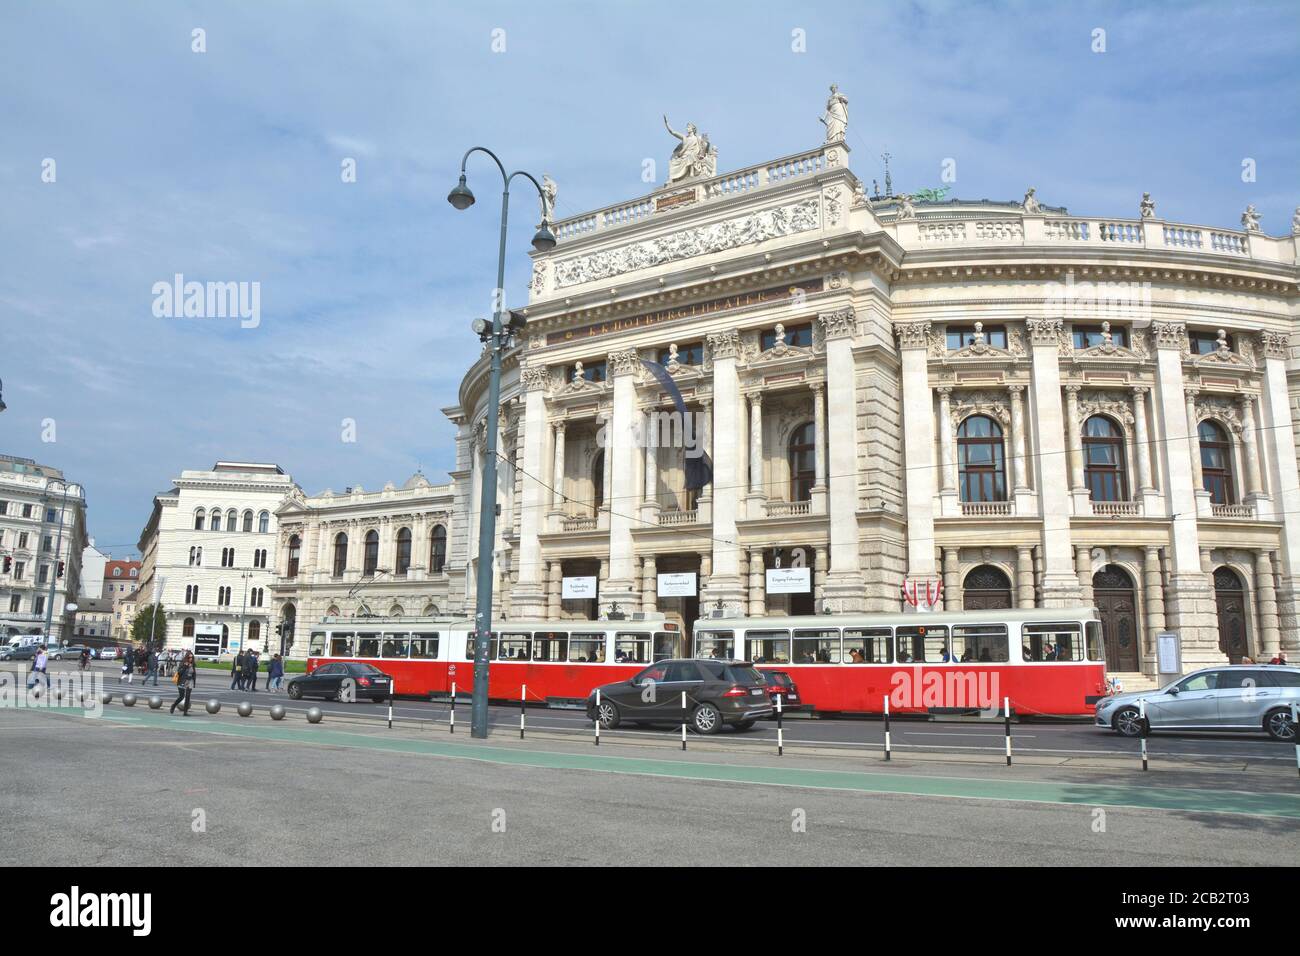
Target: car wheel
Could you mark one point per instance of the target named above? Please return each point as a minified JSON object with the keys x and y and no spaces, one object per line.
{"x":706,"y":719}
{"x":58,"y":657}
{"x":608,"y":715}
{"x":744,"y":724}
{"x":295,"y":692}
{"x":1127,"y":722}
{"x":1279,"y":726}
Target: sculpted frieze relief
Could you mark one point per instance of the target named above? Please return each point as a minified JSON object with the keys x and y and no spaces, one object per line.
{"x":993,"y":404}
{"x":702,"y":240}
{"x":1221,"y":409}
{"x":1111,"y":404}
{"x":1274,"y":345}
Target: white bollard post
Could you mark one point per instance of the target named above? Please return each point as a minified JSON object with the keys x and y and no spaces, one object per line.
{"x":1006,"y":710}
{"x":597,"y":716}
{"x":1295,"y":731}
{"x":1142,"y":715}
{"x":392,"y":691}
{"x":886,"y":726}
{"x":683,"y":720}
{"x":523,"y":701}
{"x":780,"y":733}
{"x":451,"y":717}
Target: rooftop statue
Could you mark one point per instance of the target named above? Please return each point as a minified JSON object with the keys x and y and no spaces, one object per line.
{"x":694,"y":155}
{"x":1032,"y":206}
{"x":836,"y":117}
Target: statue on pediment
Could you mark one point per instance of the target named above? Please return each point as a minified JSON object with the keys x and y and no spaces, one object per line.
{"x":549,"y":191}
{"x":836,"y":117}
{"x":1032,"y":206}
{"x":694,"y":155}
{"x":1148,"y":206}
{"x":1250,"y":219}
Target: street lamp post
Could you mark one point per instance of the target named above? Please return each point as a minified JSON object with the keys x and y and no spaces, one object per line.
{"x":58,"y":547}
{"x":497,"y":338}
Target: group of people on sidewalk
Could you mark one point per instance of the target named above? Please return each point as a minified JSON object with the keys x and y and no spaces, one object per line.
{"x":243,"y":672}
{"x":135,"y":658}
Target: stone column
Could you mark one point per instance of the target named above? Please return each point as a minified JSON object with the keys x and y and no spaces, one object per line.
{"x":948,"y":498}
{"x":757,"y":489}
{"x":651,"y":466}
{"x":1141,"y":440}
{"x":844,"y":583}
{"x":1075,"y":439}
{"x":1266,"y":593}
{"x":1024,"y":577}
{"x":725,"y":583}
{"x":1016,"y":446}
{"x":624,"y":366}
{"x":819,"y":572}
{"x":557,"y":471}
{"x":952,"y":599}
{"x":1154,"y":597}
{"x":650,"y":585}
{"x":1250,"y":448}
{"x":819,"y":492}
{"x":1277,"y":430}
{"x":918,"y":450}
{"x":607,"y":428}
{"x":1083,"y":568}
{"x":1060,"y":584}
{"x":554,"y":585}
{"x":757,"y":584}
{"x":706,"y":443}
{"x":527,"y":600}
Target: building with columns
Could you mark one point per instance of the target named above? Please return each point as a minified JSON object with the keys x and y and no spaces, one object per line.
{"x":1029,"y":408}
{"x":366,"y":554}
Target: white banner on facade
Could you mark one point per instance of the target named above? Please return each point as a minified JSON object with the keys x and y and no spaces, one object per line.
{"x":789,"y":580}
{"x":578,"y":589}
{"x":680,"y":584}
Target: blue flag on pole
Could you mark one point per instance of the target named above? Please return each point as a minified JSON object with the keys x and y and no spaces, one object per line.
{"x":699,"y":469}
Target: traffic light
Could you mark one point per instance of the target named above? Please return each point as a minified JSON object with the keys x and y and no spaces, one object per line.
{"x":60,"y":571}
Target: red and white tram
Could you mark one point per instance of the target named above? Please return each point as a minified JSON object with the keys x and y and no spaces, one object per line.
{"x":1047,"y":661}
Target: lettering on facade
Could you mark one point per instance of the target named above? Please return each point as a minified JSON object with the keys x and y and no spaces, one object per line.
{"x":686,"y":311}
{"x":684,"y":198}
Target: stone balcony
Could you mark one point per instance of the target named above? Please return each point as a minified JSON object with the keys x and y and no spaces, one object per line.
{"x":1117,"y":509}
{"x":1232,"y":511}
{"x":987,"y":509}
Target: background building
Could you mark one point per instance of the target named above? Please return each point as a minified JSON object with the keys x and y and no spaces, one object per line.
{"x":208,"y":551}
{"x":365,"y":554}
{"x":42,"y":535}
{"x":93,"y":562}
{"x":1001,"y":402}
{"x":93,"y":622}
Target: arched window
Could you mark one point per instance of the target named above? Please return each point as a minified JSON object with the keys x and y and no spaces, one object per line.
{"x":598,"y":479}
{"x":372,"y":553}
{"x":438,"y":549}
{"x":295,"y":547}
{"x":340,"y":554}
{"x":803,"y":462}
{"x":248,"y":521}
{"x":986,"y":587}
{"x":187,"y":627}
{"x":980,"y":460}
{"x":396,"y":611}
{"x":264,"y":522}
{"x":1103,"y":460}
{"x":232,"y":520}
{"x":403,"y":551}
{"x":1216,"y":463}
{"x":333,"y":610}
{"x":430,"y":610}
{"x":199,"y":514}
{"x":216,"y":519}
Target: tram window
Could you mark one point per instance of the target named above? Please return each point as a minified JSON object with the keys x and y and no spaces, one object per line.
{"x":667,"y":644}
{"x":630,"y":648}
{"x":367,"y":645}
{"x":424,"y":646}
{"x":980,"y":643}
{"x":875,"y":645}
{"x":1096,"y":646}
{"x":514,"y":646}
{"x":719,"y":644}
{"x":768,"y":647}
{"x":923,"y":645}
{"x":317,"y":644}
{"x":1052,"y":642}
{"x":820,"y":646}
{"x":550,"y":646}
{"x":341,"y":644}
{"x":587,"y":648}
{"x":469,"y":645}
{"x":395,"y":645}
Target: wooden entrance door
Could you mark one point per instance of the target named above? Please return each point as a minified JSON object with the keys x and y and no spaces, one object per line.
{"x":1230,"y":601}
{"x":1116,"y":602}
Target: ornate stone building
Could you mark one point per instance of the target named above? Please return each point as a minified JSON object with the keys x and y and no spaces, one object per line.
{"x":1028,"y":407}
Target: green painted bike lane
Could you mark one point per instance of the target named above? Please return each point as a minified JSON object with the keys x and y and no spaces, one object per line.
{"x":974,"y":788}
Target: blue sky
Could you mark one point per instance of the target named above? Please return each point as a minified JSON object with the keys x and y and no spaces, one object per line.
{"x":225,"y":166}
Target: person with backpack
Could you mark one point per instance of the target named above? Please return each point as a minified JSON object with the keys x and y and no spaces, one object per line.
{"x":237,"y":672}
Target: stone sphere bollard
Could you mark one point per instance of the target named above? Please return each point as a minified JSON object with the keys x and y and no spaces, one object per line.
{"x":106,"y":699}
{"x":36,"y":693}
{"x":245,"y":709}
{"x":128,"y":700}
{"x":212,"y":706}
{"x":314,"y":715}
{"x":277,"y":711}
{"x":155,"y":702}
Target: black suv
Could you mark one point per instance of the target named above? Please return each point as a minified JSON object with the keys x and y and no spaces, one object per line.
{"x":717,"y":692}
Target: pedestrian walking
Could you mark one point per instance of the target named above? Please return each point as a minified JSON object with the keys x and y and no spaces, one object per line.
{"x":275,"y":674}
{"x":186,"y":677}
{"x":128,"y":665}
{"x":251,"y":673}
{"x":237,"y":672}
{"x":151,"y":666}
{"x":40,"y":666}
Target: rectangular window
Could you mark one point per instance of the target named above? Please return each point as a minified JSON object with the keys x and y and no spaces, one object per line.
{"x":22,"y":539}
{"x":980,"y":644}
{"x":875,"y":644}
{"x":960,"y":336}
{"x":922,"y":645}
{"x":27,"y":511}
{"x":1204,"y":342}
{"x":550,"y":646}
{"x":587,"y":648}
{"x":797,"y":335}
{"x":1096,"y":643}
{"x":816,"y":646}
{"x":18,"y":570}
{"x":396,"y":645}
{"x":4,"y":507}
{"x":43,"y":575}
{"x":50,"y":516}
{"x":14,"y":602}
{"x":47,"y":543}
{"x":424,"y":645}
{"x":39,"y":606}
{"x":768,"y":647}
{"x":514,"y":646}
{"x":1090,"y":336}
{"x":715,"y":644}
{"x":631,"y":648}
{"x":367,"y":645}
{"x":1052,"y":642}
{"x":341,"y":644}
{"x":591,"y":372}
{"x":692,"y":354}
{"x":469,"y":645}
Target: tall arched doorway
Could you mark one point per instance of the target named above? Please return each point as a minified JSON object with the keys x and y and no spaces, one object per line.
{"x":986,"y":588}
{"x":1116,"y":601}
{"x":1230,"y":600}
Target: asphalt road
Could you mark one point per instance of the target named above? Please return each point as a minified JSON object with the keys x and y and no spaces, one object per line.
{"x":137,"y":787}
{"x":1049,"y":738}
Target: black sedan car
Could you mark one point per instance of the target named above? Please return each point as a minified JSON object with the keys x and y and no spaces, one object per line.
{"x":717,"y":693}
{"x":344,"y":681}
{"x":781,"y":684}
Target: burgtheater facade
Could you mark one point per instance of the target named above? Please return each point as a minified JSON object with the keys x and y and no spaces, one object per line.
{"x":997,"y":404}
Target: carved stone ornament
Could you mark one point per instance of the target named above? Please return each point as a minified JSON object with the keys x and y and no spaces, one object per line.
{"x":624,"y":362}
{"x":539,"y":277}
{"x":723,"y":345}
{"x":1113,"y":405}
{"x":1044,"y":331}
{"x":837,"y":280}
{"x":534,"y":377}
{"x":1170,"y":335}
{"x":992,"y":404}
{"x":913,"y":335}
{"x":1222,"y":409}
{"x":758,"y":226}
{"x":839,"y":324}
{"x":1224,"y":355}
{"x":834,"y":205}
{"x":1273,"y":345}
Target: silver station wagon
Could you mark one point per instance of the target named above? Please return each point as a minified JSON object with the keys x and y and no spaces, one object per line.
{"x":1252,"y":697}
